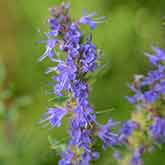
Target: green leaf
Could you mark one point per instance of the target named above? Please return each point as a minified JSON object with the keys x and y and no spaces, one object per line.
{"x":56,"y":145}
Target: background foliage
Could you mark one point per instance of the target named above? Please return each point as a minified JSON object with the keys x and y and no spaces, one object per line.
{"x":131,"y":28}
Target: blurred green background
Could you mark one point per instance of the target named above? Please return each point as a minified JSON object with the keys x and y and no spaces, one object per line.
{"x":131,"y":28}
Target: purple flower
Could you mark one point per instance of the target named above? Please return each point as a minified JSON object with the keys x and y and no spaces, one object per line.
{"x":73,"y":34}
{"x":51,"y":43}
{"x":154,"y":76}
{"x":153,"y":59}
{"x":89,"y":20}
{"x":77,"y":58}
{"x":138,"y":95}
{"x":136,"y":159}
{"x":127,"y":129}
{"x":89,"y":56}
{"x":71,"y":41}
{"x":80,"y":91}
{"x":159,"y":56}
{"x":67,"y":157}
{"x":54,"y":26}
{"x":106,"y":135}
{"x":86,"y":158}
{"x":151,"y":96}
{"x":157,"y":129}
{"x":84,"y":117}
{"x":160,"y":87}
{"x":54,"y":116}
{"x":78,"y":136}
{"x":67,"y":73}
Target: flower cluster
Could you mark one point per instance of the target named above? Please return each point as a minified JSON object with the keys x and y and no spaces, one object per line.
{"x":147,"y":125}
{"x":154,"y":81}
{"x":74,"y":56}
